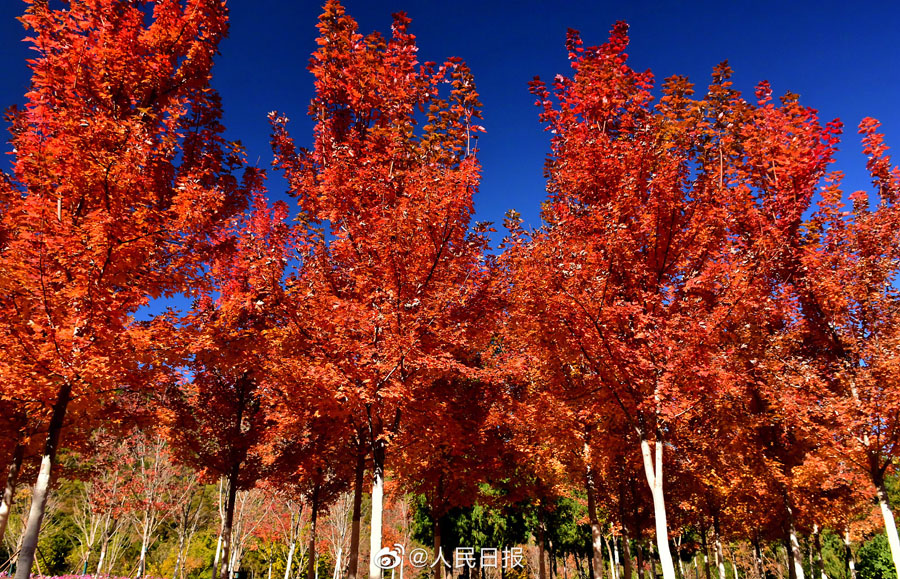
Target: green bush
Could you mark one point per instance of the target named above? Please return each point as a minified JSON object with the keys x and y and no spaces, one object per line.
{"x":875,"y":559}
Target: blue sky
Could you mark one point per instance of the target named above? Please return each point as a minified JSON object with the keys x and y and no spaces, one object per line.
{"x":843,"y":59}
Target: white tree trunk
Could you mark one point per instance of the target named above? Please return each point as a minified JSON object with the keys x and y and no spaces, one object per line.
{"x":102,"y":557}
{"x":218,"y":555}
{"x":42,"y":485}
{"x":654,"y":472}
{"x":848,"y":553}
{"x":720,"y":555}
{"x":596,"y":532}
{"x":613,"y":560}
{"x":142,"y":562}
{"x":377,"y":512}
{"x":795,"y":556}
{"x":615,"y":543}
{"x":890,"y":526}
{"x":290,"y":560}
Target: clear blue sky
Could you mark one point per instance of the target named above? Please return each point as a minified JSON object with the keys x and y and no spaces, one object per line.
{"x":843,"y":59}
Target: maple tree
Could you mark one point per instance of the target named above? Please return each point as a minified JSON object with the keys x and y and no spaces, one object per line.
{"x":686,"y":310}
{"x":660,"y":222}
{"x":851,"y":304}
{"x":214,"y":412}
{"x":393,"y":282}
{"x":120,"y":171}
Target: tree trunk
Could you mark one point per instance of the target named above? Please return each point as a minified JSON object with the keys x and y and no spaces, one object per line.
{"x":290,"y":559}
{"x":218,"y":556}
{"x":42,"y":485}
{"x":890,"y":526}
{"x":542,"y":569}
{"x":639,"y":555}
{"x":720,"y":552}
{"x":87,"y":557}
{"x":626,"y":552}
{"x":596,"y":562}
{"x":757,"y":558}
{"x":102,"y":556}
{"x":654,"y":471}
{"x":229,"y":521}
{"x":795,"y":557}
{"x":188,"y":534}
{"x":678,"y":556}
{"x":180,"y":554}
{"x":311,"y":570}
{"x":377,"y":509}
{"x":705,"y":545}
{"x":792,"y":571}
{"x":145,"y":540}
{"x":12,"y":479}
{"x":848,"y":554}
{"x":615,"y":544}
{"x":613,"y":571}
{"x":353,"y":569}
{"x":439,"y":568}
{"x":817,"y":545}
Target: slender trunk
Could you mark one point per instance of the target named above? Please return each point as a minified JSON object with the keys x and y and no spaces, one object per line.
{"x":311,"y":570}
{"x":890,"y":526}
{"x":102,"y":557}
{"x":626,"y":552}
{"x":817,"y":545}
{"x":615,"y":544}
{"x":179,"y":554}
{"x":218,"y":556}
{"x":87,"y":557}
{"x":188,"y":534}
{"x":678,"y":556}
{"x":234,"y":561}
{"x":436,"y":526}
{"x":757,"y":558}
{"x":734,"y":565}
{"x":377,"y":509}
{"x":795,"y":557}
{"x":791,"y":570}
{"x":290,"y":559}
{"x":639,"y":548}
{"x":42,"y":485}
{"x":12,"y":479}
{"x":551,"y":558}
{"x":596,"y":562}
{"x":705,"y":546}
{"x":542,"y":569}
{"x":353,"y":569}
{"x":145,"y":540}
{"x":229,"y":521}
{"x":613,"y":572}
{"x":848,"y":554}
{"x":654,"y":471}
{"x":720,"y":552}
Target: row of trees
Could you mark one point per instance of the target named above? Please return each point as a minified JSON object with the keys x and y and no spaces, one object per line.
{"x":699,"y":307}
{"x":124,"y":508}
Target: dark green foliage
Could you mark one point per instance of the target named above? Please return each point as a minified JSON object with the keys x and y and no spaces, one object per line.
{"x":564,"y":532}
{"x":874,"y":559}
{"x":54,"y":548}
{"x":476,"y":526}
